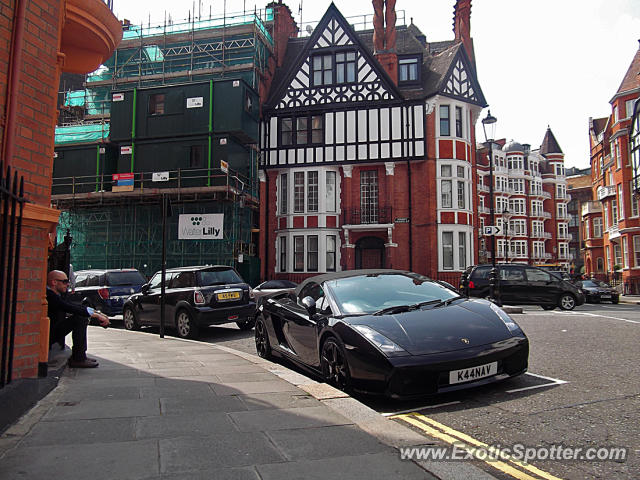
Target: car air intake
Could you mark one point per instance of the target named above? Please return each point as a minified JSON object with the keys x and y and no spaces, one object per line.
{"x":104,"y":293}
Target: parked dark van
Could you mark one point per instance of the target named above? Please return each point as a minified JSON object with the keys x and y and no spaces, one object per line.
{"x":105,"y":290}
{"x":195,"y":297}
{"x":523,"y":285}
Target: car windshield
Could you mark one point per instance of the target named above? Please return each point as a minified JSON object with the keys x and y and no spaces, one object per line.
{"x":125,"y":278}
{"x":379,"y":293}
{"x":219,"y":277}
{"x":594,"y":284}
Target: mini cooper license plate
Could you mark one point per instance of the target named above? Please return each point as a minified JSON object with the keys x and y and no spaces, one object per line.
{"x":228,"y":296}
{"x":473,"y":373}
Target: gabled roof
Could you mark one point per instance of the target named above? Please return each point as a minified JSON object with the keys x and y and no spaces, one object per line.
{"x":439,"y":61}
{"x":301,"y":49}
{"x":599,"y":124}
{"x":631,"y":80}
{"x":549,"y":144}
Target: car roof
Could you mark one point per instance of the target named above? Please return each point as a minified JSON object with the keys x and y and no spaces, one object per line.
{"x":105,"y":270}
{"x":350,"y":273}
{"x":195,"y":268}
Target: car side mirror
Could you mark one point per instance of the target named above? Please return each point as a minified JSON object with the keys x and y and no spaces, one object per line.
{"x":145,"y":288}
{"x":310,"y":304}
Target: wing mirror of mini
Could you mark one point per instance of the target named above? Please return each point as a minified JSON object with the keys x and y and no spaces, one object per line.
{"x":145,"y":288}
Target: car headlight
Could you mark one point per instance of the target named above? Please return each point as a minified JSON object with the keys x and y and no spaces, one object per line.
{"x":508,"y":321}
{"x":379,"y":340}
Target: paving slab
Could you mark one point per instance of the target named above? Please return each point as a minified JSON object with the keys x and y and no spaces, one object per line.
{"x":89,"y":409}
{"x":325,"y":442}
{"x":103,"y":430}
{"x":263,"y":401}
{"x":385,"y":465}
{"x":104,"y":461}
{"x":185,"y":454}
{"x":212,"y":403}
{"x":287,"y":418}
{"x":192,"y":424}
{"x":267,"y":386}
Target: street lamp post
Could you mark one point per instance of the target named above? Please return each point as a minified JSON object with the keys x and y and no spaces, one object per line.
{"x":488,"y":126}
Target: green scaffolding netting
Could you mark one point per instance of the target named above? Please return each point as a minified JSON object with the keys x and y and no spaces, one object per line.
{"x":130,"y":236}
{"x":87,"y":133}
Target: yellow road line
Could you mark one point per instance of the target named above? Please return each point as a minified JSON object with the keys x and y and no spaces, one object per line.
{"x":471,"y":445}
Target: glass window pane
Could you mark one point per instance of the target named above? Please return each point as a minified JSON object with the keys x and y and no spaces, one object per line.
{"x":447,"y":250}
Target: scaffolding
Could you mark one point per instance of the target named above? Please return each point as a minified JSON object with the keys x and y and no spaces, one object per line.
{"x":130,"y":236}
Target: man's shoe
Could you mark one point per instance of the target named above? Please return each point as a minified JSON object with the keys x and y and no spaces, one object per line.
{"x":86,"y":363}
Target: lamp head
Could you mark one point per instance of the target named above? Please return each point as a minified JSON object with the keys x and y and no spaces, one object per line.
{"x":489,"y":127}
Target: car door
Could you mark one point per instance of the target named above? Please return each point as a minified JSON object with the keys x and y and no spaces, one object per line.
{"x":541,"y":285}
{"x":300,"y":330}
{"x":148,"y":303}
{"x":181,"y":287}
{"x":513,"y":285}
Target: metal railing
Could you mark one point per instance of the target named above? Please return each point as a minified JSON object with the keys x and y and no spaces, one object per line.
{"x":180,"y":178}
{"x":367,"y":216}
{"x":11,"y":206}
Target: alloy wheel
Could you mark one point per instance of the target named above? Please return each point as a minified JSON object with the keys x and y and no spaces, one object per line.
{"x":334,"y":365}
{"x":184,"y":325}
{"x":567,"y":302}
{"x":129,"y":319}
{"x":262,"y":339}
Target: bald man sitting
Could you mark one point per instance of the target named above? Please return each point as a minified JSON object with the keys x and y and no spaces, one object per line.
{"x":76,"y":322}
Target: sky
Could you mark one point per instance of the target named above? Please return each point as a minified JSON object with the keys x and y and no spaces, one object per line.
{"x":540,"y":63}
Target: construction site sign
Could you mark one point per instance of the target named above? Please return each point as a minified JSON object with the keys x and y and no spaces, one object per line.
{"x":200,"y":226}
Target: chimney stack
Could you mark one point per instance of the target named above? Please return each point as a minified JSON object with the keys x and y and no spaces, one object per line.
{"x":462,"y":25}
{"x":384,"y":36}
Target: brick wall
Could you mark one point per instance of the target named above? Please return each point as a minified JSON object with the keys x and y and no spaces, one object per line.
{"x":28,"y":148}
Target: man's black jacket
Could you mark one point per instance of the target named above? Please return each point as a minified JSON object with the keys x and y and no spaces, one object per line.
{"x":59,"y":307}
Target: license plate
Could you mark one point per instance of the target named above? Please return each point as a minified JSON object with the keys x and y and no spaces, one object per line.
{"x":228,"y":296}
{"x":605,"y":296}
{"x":473,"y":373}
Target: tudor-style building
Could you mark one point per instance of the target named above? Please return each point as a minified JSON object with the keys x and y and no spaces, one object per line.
{"x":367,"y":151}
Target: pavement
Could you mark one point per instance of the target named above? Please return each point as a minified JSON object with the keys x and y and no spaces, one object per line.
{"x":178,"y":409}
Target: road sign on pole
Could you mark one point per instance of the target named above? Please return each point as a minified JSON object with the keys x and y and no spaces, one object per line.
{"x":492,"y":230}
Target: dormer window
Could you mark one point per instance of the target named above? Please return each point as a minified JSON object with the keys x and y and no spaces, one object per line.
{"x":408,"y":69}
{"x":334,"y":68}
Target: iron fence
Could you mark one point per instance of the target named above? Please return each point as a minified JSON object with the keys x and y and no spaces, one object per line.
{"x":367,"y":216}
{"x":11,"y":207}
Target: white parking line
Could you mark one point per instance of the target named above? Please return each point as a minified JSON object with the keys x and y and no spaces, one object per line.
{"x":554,"y":381}
{"x":598,"y":315}
{"x":419,"y":408}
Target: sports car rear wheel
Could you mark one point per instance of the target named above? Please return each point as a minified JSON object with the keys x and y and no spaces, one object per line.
{"x":335,"y":368}
{"x":263,"y":347}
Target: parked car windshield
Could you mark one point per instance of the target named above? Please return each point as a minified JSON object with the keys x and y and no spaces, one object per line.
{"x":373,"y":293}
{"x":125,"y":278}
{"x":219,"y":277}
{"x":594,"y":284}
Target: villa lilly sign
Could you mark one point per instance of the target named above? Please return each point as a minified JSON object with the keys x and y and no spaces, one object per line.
{"x":200,"y":226}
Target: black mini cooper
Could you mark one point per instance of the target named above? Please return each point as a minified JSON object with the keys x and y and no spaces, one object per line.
{"x":195,"y":297}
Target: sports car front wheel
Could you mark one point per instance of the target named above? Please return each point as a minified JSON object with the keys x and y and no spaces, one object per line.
{"x":263,"y":347}
{"x":335,"y":368}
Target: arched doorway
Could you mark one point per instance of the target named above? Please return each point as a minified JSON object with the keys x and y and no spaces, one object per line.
{"x":370,"y":253}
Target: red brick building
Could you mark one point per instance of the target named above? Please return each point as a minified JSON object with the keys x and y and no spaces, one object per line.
{"x":40,"y":39}
{"x":612,"y":220}
{"x":368,"y":150}
{"x":530,"y":203}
